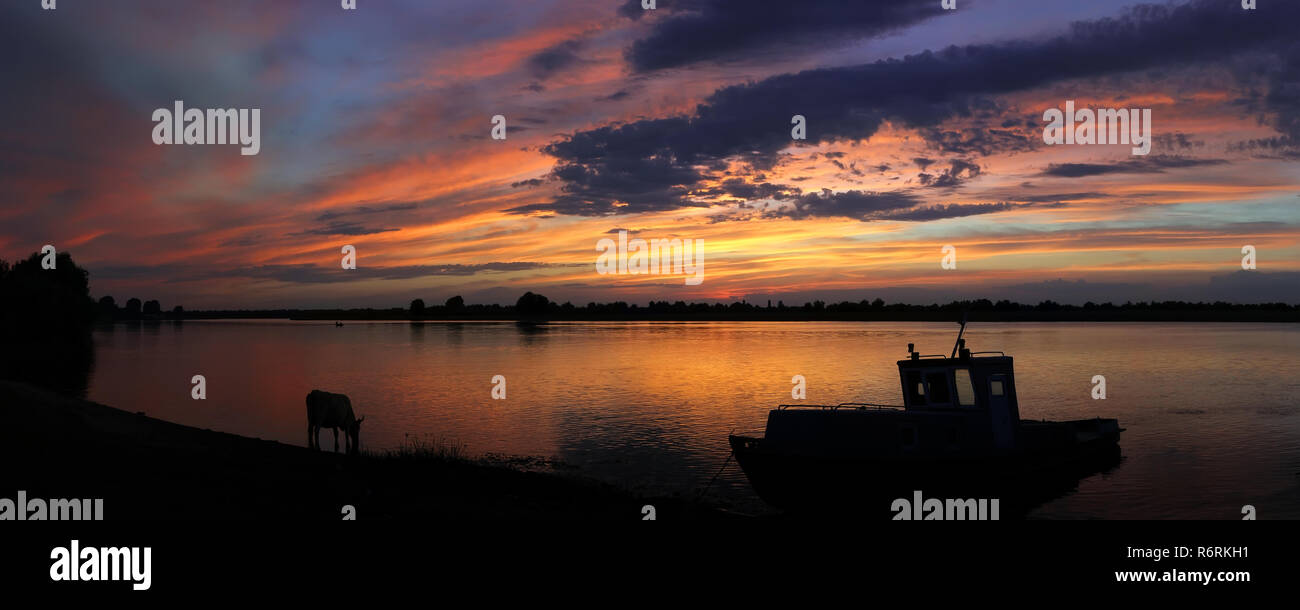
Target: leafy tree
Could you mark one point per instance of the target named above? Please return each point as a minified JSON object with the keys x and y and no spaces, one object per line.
{"x":132,"y":309}
{"x":107,"y":307}
{"x":37,"y":301}
{"x":535,"y":304}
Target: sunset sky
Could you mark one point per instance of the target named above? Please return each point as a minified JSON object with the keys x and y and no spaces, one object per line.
{"x":924,"y":129}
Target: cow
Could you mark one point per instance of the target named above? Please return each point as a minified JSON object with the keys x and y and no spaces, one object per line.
{"x":327,"y":410}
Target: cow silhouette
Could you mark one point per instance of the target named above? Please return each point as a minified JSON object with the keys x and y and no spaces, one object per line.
{"x":334,"y":411}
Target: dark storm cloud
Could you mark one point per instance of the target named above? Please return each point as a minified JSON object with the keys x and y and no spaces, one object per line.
{"x":981,"y":140}
{"x":958,"y":171}
{"x":554,"y":59}
{"x":951,"y":210}
{"x":712,"y":30}
{"x":1281,"y":147}
{"x":632,"y":9}
{"x":870,"y":207}
{"x":1176,"y":142}
{"x":654,"y":164}
{"x":366,"y":210}
{"x":737,"y":187}
{"x":858,"y":205}
{"x":597,"y":179}
{"x":343,"y":228}
{"x":1137,"y":165}
{"x":1283,"y":98}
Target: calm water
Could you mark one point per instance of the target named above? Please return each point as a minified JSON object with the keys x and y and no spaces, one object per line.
{"x":1210,"y":409}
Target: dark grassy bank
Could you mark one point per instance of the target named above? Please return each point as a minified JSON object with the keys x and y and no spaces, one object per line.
{"x":52,"y":446}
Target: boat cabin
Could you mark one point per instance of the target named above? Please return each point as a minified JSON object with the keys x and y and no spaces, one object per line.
{"x":963,"y":404}
{"x":979,"y":382}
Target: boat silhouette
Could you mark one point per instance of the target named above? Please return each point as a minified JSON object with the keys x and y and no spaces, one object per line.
{"x":958,"y":434}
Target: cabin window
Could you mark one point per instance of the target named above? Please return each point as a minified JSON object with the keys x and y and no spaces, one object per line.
{"x":938,"y":385}
{"x":995,"y":386}
{"x":915,"y":389}
{"x":965,"y":389}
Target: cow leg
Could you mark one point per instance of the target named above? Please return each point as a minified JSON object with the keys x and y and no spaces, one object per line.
{"x":336,"y":440}
{"x":309,"y":443}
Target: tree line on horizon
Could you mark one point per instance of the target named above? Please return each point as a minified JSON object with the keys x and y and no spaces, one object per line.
{"x":36,"y":301}
{"x":536,"y":305}
{"x":106,"y":309}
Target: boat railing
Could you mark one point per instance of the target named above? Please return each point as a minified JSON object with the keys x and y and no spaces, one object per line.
{"x":858,"y":406}
{"x":946,"y":356}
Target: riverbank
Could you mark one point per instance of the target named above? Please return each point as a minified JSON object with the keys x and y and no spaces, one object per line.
{"x":149,"y":469}
{"x":982,"y":310}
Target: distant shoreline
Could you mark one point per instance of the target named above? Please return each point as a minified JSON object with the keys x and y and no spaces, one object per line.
{"x":1262,"y":315}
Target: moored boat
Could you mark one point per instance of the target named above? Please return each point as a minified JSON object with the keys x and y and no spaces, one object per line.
{"x":958,"y":433}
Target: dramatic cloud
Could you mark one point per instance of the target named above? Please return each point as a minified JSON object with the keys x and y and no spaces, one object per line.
{"x":655,"y":164}
{"x":307,"y":273}
{"x":951,"y":210}
{"x":850,"y":204}
{"x":957,"y":172}
{"x":376,"y":133}
{"x":344,"y":228}
{"x":713,"y":30}
{"x":366,"y":210}
{"x":1136,"y":165}
{"x":555,"y":59}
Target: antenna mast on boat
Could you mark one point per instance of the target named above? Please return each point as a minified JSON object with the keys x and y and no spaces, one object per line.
{"x":957,"y":345}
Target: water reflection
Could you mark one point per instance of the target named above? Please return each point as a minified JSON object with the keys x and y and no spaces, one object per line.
{"x":1209,"y":408}
{"x":531,"y":332}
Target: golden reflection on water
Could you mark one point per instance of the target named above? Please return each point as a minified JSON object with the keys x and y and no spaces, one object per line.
{"x":1210,"y":409}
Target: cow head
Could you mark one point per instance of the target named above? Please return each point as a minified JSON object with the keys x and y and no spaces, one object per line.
{"x":354,"y":435}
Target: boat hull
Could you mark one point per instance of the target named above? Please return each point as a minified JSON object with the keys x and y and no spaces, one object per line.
{"x":1057,"y":456}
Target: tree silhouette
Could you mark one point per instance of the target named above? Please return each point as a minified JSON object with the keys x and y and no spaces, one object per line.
{"x":455,"y":303}
{"x":107,"y":308}
{"x":532,"y":304}
{"x":38,"y":302}
{"x":45,"y":320}
{"x":417,"y":307}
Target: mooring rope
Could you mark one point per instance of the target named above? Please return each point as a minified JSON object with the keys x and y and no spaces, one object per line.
{"x":715,"y":476}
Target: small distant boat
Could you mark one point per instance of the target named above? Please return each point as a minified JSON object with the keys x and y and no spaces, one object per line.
{"x":336,"y":324}
{"x":958,"y":432}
